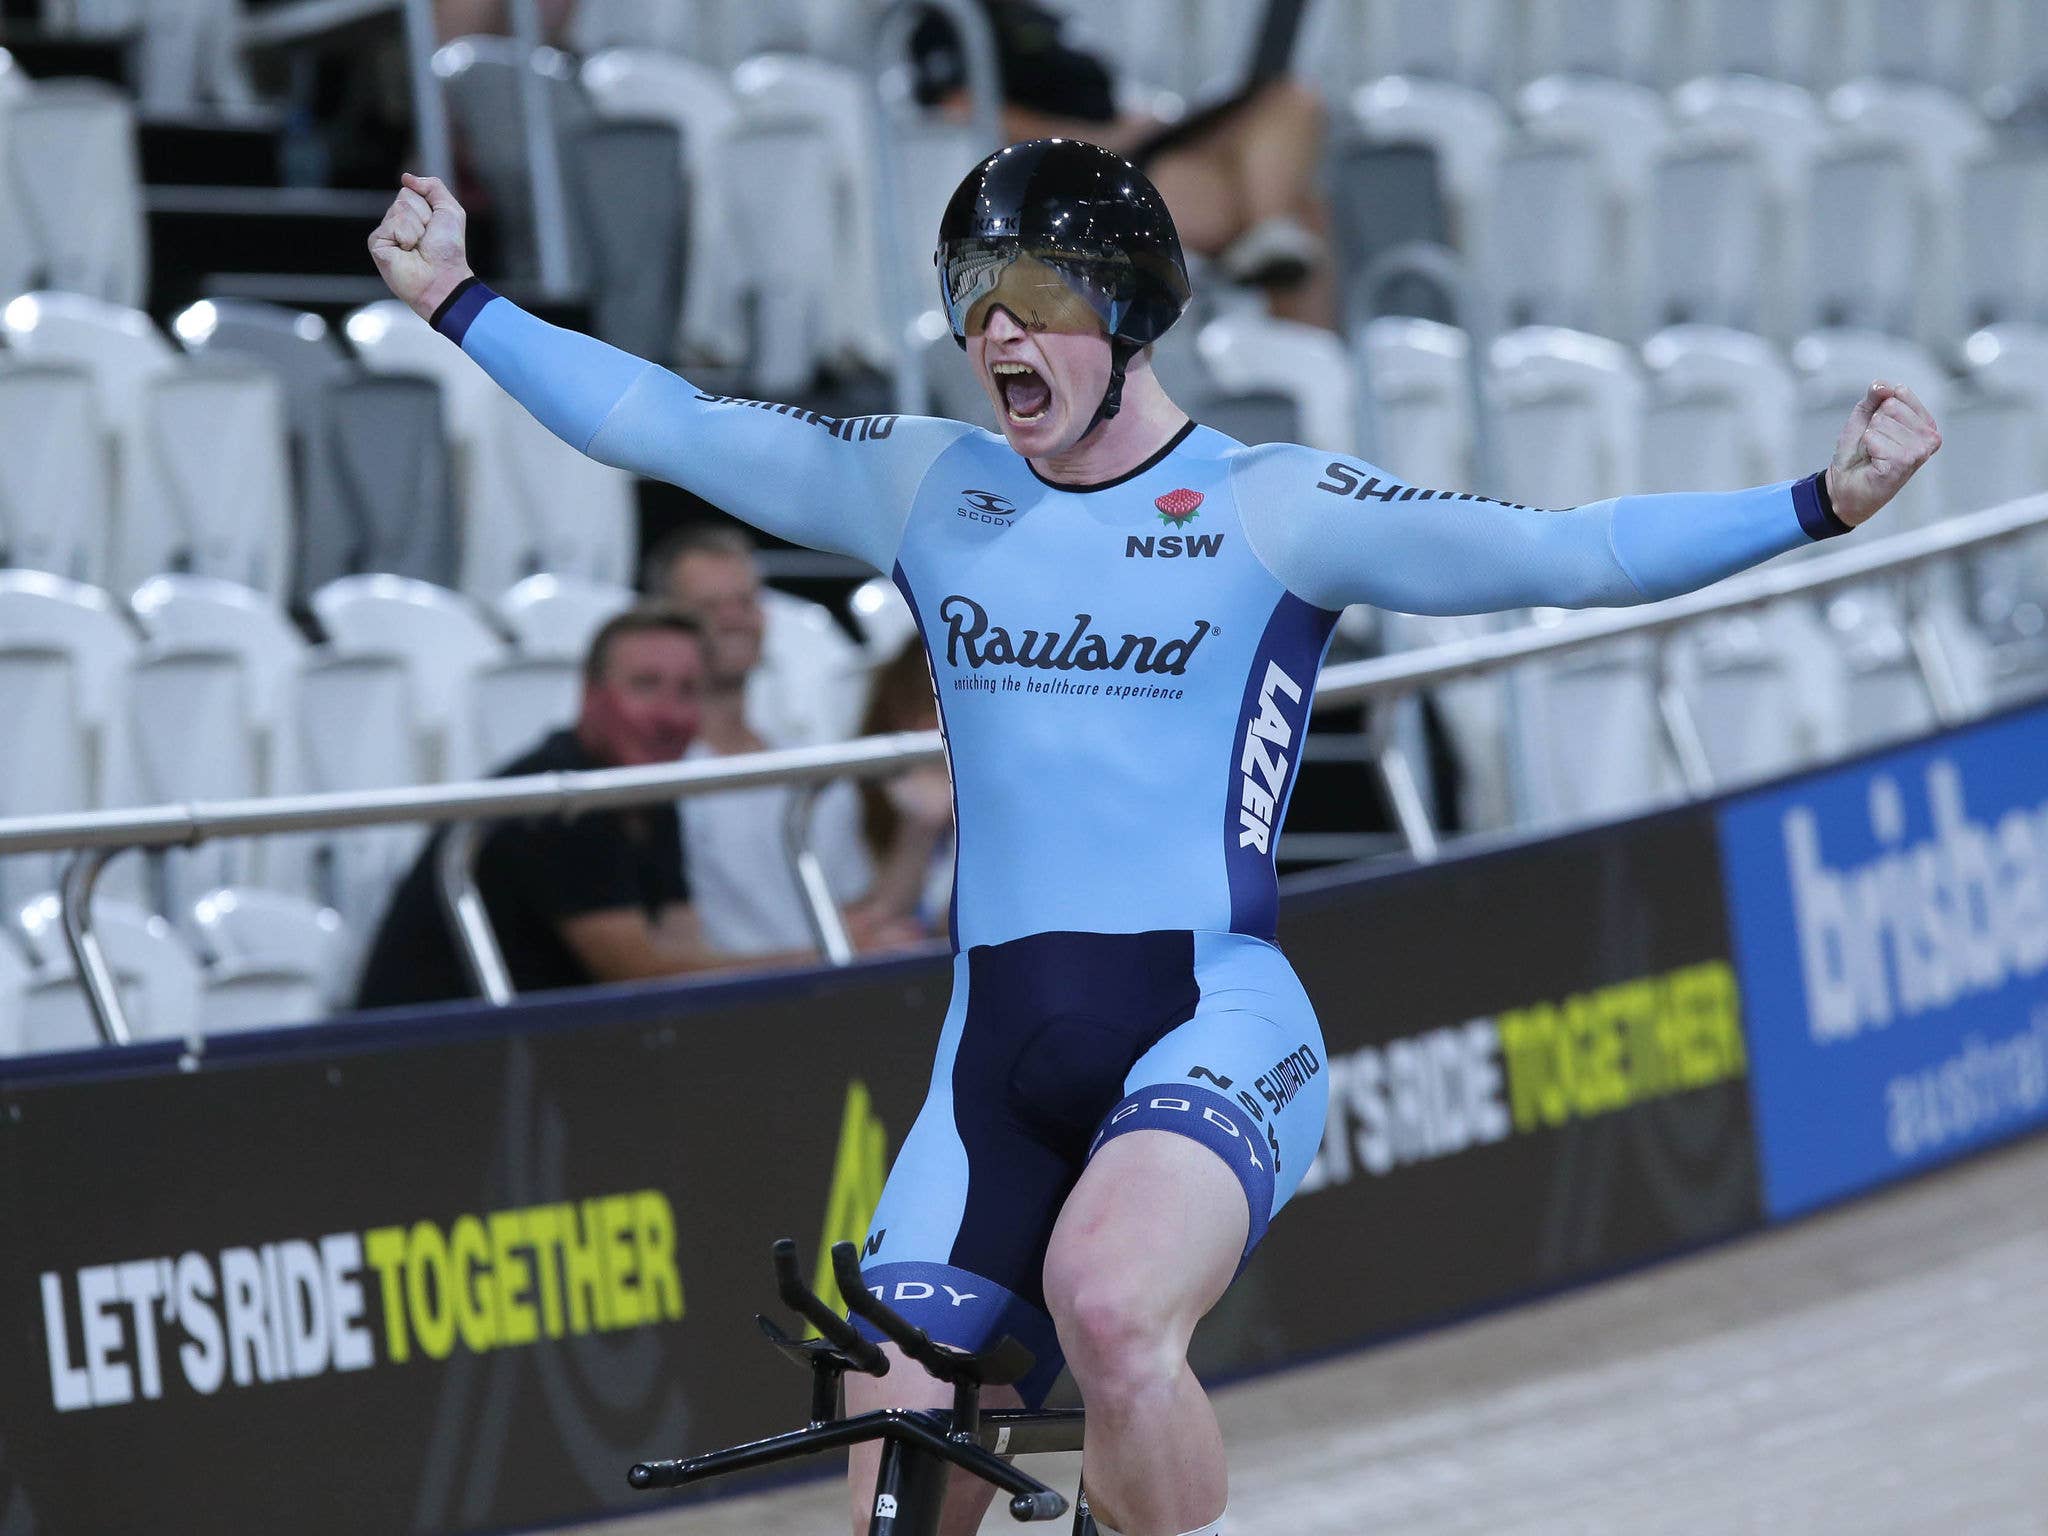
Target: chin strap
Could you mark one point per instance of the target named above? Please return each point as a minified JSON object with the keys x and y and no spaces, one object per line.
{"x":1120,"y":354}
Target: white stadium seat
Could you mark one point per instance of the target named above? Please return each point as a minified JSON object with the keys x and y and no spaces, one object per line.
{"x":803,"y":141}
{"x":1466,"y":127}
{"x":1546,"y":247}
{"x":233,"y":509}
{"x":1719,"y":411}
{"x":1618,"y":39}
{"x":1247,"y":350}
{"x":442,"y":638}
{"x":1748,"y":37}
{"x":71,"y":150}
{"x":698,"y":100}
{"x":1940,"y":133}
{"x":558,"y":616}
{"x":270,"y":958}
{"x":126,"y":355}
{"x":529,"y":501}
{"x":21,"y":257}
{"x":56,"y":470}
{"x":156,"y":975}
{"x":512,"y":704}
{"x":358,"y":730}
{"x":190,"y":729}
{"x":14,"y":976}
{"x":1936,"y":42}
{"x":1568,"y":410}
{"x":2004,"y":216}
{"x":64,"y":655}
{"x":812,"y":682}
{"x":1416,"y":376}
{"x":1712,"y":240}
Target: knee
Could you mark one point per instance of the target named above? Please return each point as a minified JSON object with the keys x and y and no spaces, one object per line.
{"x":1117,"y":1341}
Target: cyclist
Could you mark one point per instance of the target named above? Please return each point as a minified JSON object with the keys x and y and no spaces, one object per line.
{"x":1124,"y":613}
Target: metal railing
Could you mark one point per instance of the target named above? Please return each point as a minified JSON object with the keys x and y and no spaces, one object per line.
{"x":95,"y":836}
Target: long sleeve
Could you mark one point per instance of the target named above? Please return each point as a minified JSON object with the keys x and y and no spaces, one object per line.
{"x":1338,"y":532}
{"x":843,"y":484}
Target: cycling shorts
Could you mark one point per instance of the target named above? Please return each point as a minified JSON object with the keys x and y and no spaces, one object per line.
{"x":1054,"y":1044}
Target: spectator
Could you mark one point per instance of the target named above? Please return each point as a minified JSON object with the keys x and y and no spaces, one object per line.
{"x":1238,"y":176}
{"x":748,"y":896}
{"x":598,"y":897}
{"x":804,"y":678}
{"x":906,"y":822}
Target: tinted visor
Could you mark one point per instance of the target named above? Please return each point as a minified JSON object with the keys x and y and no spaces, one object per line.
{"x":1044,"y":290}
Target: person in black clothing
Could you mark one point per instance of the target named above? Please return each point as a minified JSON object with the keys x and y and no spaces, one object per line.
{"x":600,"y":897}
{"x":1239,"y":174}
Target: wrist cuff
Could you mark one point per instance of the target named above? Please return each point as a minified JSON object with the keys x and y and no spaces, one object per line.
{"x":1816,"y":510}
{"x":453,"y":314}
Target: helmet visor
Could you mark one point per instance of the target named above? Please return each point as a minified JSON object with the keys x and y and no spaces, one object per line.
{"x":1042,"y":290}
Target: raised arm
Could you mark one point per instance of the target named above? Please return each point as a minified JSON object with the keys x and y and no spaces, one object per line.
{"x":1338,"y":532}
{"x":843,"y":484}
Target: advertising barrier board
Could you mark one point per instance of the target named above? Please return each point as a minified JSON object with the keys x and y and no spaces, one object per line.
{"x":1537,"y":1074}
{"x":454,"y":1271}
{"x":1891,"y":935}
{"x":451,"y":1273}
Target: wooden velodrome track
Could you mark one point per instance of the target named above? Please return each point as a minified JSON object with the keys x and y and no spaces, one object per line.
{"x":1879,"y":1369}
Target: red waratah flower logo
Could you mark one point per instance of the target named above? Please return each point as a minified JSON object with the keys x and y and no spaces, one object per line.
{"x":1177,"y":507}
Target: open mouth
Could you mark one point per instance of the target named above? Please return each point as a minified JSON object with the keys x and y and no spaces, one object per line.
{"x":1026,"y":396}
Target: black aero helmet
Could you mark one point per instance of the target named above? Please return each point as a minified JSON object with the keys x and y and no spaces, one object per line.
{"x":1090,"y":216}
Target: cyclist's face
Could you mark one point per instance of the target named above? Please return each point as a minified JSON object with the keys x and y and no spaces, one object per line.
{"x":1045,"y":383}
{"x":644,"y":708}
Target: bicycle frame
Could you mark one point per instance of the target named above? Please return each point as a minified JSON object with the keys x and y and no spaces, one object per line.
{"x":919,"y":1446}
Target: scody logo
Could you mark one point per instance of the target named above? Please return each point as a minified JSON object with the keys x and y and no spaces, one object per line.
{"x":986,"y":507}
{"x":974,"y":642}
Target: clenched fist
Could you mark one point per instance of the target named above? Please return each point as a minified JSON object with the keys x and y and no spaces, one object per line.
{"x":420,"y":246}
{"x":1888,"y":436}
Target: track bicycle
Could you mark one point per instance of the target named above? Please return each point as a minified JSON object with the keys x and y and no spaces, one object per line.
{"x":919,"y":1446}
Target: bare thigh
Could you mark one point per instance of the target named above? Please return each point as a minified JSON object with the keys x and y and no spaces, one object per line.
{"x":909,"y":1385}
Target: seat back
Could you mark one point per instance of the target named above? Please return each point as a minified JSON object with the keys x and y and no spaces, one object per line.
{"x":1416,"y":372}
{"x":1253,"y":353}
{"x":394,"y":481}
{"x":442,"y":639}
{"x":1546,"y":240}
{"x":1708,"y":240}
{"x":194,"y":739}
{"x":156,"y":974}
{"x":630,"y":191}
{"x":2005,"y":238}
{"x":357,"y":731}
{"x":55,"y":471}
{"x":233,"y":508}
{"x":556,"y":617}
{"x":1384,"y":195}
{"x":639,"y":83}
{"x":73,"y":154}
{"x":271,"y":958}
{"x":301,"y":352}
{"x":512,"y":704}
{"x":480,"y":78}
{"x":21,"y":256}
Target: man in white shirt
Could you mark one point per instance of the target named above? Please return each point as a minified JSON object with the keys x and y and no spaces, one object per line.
{"x":746,"y":893}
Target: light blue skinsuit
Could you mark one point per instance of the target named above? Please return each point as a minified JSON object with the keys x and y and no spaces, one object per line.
{"x":1124,"y":673}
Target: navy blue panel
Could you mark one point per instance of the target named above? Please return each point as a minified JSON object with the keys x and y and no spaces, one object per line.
{"x":1054,"y":1024}
{"x":1815,"y":508}
{"x":1186,"y":1109}
{"x":1290,"y":654}
{"x":970,"y":1312}
{"x":462,"y":306}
